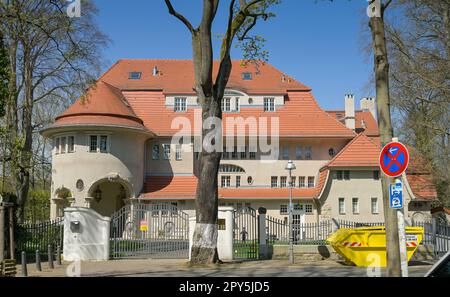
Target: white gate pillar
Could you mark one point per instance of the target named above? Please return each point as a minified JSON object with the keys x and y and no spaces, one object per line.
{"x":86,"y":235}
{"x":225,"y":233}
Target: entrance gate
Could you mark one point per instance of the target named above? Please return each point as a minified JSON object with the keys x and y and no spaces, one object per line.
{"x":149,"y":231}
{"x":245,"y":234}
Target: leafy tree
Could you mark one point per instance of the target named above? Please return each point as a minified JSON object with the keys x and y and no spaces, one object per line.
{"x":243,"y":15}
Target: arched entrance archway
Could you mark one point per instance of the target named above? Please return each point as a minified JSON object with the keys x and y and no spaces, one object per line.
{"x":108,"y":195}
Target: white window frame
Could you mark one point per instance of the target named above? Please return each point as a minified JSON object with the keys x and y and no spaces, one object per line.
{"x":226,"y":104}
{"x":313,"y":178}
{"x":283,"y":209}
{"x":98,"y":143}
{"x":374,"y":210}
{"x":309,"y":209}
{"x":225,"y":181}
{"x":252,"y":153}
{"x":166,"y":151}
{"x":237,"y":106}
{"x":243,"y":153}
{"x":355,"y":205}
{"x":302,"y":181}
{"x":341,"y":210}
{"x":283,"y":181}
{"x":274,"y":181}
{"x":178,"y":152}
{"x":180,"y":104}
{"x":57,"y":144}
{"x":63,"y":144}
{"x":269,"y":104}
{"x":238,"y":181}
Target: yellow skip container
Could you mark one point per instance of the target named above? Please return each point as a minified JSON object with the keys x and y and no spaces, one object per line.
{"x":366,"y":246}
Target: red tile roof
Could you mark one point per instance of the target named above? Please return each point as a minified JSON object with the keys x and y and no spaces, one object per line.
{"x":184,"y":187}
{"x":370,"y":127}
{"x":360,"y":152}
{"x":103,"y":104}
{"x":177,"y":77}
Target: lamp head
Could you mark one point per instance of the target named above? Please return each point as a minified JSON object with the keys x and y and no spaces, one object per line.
{"x":290,"y":165}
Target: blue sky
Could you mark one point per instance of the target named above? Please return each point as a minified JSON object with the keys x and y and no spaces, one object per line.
{"x":316,"y":42}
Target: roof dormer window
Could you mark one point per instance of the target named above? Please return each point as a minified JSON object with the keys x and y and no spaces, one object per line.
{"x":135,"y":75}
{"x":246,"y":76}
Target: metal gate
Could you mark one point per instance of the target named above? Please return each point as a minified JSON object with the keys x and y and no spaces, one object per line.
{"x":149,"y":231}
{"x":245,"y":234}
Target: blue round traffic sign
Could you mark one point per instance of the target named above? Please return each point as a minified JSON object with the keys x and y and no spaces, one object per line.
{"x":394,"y":159}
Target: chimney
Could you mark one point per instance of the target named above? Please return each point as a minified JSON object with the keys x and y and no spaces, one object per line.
{"x":155,"y":71}
{"x":369,"y":104}
{"x":350,"y":111}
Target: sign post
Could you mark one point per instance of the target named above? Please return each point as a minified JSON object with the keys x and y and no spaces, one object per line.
{"x":394,"y":159}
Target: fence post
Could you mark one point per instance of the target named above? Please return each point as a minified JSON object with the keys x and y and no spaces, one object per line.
{"x":50,"y":257}
{"x":263,"y":248}
{"x":2,"y":232}
{"x":433,"y":237}
{"x":11,"y":233}
{"x":58,"y":255}
{"x":38,"y":261}
{"x":24,"y":264}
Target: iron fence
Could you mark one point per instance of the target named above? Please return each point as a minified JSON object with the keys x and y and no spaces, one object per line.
{"x":277,"y":232}
{"x":30,"y":237}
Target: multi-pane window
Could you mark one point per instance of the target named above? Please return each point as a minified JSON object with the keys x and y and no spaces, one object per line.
{"x":135,"y":75}
{"x":234,"y":154}
{"x":252,"y":153}
{"x":283,"y":181}
{"x":243,"y":153}
{"x":57,"y":140}
{"x":339,"y":175}
{"x":226,"y":104}
{"x":225,"y":154}
{"x":355,"y":205}
{"x":302,"y":182}
{"x":308,"y":153}
{"x":180,"y":104}
{"x":71,"y":144}
{"x":283,"y":209}
{"x":269,"y":104}
{"x":299,"y":153}
{"x":166,"y":151}
{"x":93,"y":143}
{"x":238,"y":181}
{"x":178,"y":152}
{"x":247,"y":76}
{"x":376,"y":175}
{"x":274,"y":181}
{"x":341,"y":205}
{"x":374,"y":205}
{"x":63,"y":145}
{"x":225,"y":181}
{"x":155,"y":152}
{"x":103,"y":143}
{"x":347,"y":175}
{"x":292,"y":182}
{"x":308,"y":208}
{"x":98,"y":143}
{"x":311,"y":181}
{"x":285,"y":153}
{"x":236,"y":104}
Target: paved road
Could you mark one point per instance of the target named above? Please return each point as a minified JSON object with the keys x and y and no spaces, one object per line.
{"x":179,"y":268}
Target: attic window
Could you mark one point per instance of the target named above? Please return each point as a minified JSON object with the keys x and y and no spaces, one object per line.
{"x":135,"y":75}
{"x":246,"y":76}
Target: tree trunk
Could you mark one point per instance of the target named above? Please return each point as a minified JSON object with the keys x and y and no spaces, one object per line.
{"x":386,"y":132}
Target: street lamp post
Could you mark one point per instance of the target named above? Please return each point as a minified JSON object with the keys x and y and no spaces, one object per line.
{"x":290,"y":166}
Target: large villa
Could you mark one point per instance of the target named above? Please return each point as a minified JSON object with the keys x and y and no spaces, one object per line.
{"x":115,"y":145}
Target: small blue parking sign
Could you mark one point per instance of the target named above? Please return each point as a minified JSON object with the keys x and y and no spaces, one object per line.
{"x":396,"y":195}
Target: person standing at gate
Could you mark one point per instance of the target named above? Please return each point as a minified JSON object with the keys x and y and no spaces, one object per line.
{"x":244,"y":234}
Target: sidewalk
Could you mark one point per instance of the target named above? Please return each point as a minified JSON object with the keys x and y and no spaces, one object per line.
{"x":181,"y":268}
